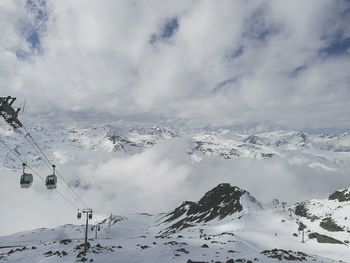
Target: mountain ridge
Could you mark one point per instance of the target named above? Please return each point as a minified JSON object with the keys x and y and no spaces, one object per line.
{"x":63,"y":145}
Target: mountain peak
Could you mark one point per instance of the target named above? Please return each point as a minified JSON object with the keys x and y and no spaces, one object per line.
{"x":221,"y":196}
{"x":222,"y":201}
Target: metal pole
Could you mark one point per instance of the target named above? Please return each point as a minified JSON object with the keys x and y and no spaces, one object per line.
{"x":303,"y":237}
{"x":96,"y":232}
{"x":86,"y":230}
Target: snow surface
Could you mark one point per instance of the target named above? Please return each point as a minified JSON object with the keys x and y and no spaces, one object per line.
{"x":136,"y":238}
{"x":247,"y":237}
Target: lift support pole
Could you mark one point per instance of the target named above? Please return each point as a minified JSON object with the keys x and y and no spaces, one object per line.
{"x":88,"y":213}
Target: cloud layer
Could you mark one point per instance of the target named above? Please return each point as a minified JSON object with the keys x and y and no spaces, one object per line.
{"x":202,"y":62}
{"x":155,"y":180}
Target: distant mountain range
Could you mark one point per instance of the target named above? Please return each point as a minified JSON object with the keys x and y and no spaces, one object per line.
{"x":66,"y":144}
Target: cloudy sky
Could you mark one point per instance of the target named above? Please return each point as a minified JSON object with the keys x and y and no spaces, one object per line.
{"x":199,"y":62}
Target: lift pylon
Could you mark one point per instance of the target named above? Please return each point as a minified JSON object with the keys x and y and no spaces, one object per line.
{"x":9,"y":113}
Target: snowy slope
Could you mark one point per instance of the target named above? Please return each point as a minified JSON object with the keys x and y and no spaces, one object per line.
{"x":252,"y":233}
{"x":328,"y":217}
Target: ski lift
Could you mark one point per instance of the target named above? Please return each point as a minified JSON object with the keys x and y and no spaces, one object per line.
{"x":90,"y":215}
{"x":26,"y":179}
{"x":79,"y":215}
{"x":9,"y":113}
{"x":51,"y":180}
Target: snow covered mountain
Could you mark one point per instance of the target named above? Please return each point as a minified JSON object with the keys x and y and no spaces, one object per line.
{"x":327,"y":220}
{"x":224,"y":200}
{"x":226,"y":225}
{"x":66,"y":144}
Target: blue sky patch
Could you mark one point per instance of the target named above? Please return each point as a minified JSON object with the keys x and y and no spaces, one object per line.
{"x":33,"y":28}
{"x":339,"y":46}
{"x":168,"y":30}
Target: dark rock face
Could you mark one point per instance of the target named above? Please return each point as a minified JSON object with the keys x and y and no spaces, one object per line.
{"x":221,"y":201}
{"x":324,"y":239}
{"x":179,"y":211}
{"x":65,"y":241}
{"x":253,"y":139}
{"x":340,"y":195}
{"x":328,"y":224}
{"x":302,"y":210}
{"x":282,"y":254}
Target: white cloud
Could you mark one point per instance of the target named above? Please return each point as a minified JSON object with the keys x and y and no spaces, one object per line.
{"x":97,"y":57}
{"x":155,"y":180}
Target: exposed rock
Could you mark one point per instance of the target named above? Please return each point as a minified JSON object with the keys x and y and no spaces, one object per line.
{"x":328,"y":224}
{"x":65,"y":241}
{"x":253,"y":139}
{"x":282,"y":254}
{"x":302,"y":210}
{"x":182,"y":250}
{"x":144,"y":247}
{"x":324,"y":239}
{"x":222,"y":201}
{"x":340,"y":195}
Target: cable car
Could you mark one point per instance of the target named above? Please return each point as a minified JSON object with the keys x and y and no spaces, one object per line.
{"x":90,"y":215}
{"x":51,"y":180}
{"x":26,"y":179}
{"x":79,"y":215}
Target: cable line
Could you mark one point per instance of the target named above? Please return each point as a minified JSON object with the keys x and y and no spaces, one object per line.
{"x":35,"y":172}
{"x":10,"y":114}
{"x":49,"y":164}
{"x":67,"y":199}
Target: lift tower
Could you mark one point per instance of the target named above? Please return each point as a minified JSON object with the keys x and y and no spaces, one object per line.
{"x":88,"y":213}
{"x":9,"y":113}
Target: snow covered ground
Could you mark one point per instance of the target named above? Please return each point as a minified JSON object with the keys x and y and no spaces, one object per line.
{"x":254,"y":234}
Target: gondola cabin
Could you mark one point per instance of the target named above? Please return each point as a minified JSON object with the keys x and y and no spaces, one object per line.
{"x":26,"y":180}
{"x":51,"y":181}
